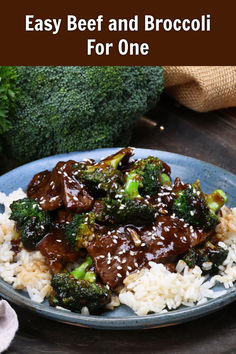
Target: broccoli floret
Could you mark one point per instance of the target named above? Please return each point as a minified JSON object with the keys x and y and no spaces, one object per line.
{"x":128,"y":206}
{"x":25,"y":209}
{"x":81,"y":230}
{"x":146,"y":177}
{"x":31,"y":221}
{"x":125,"y":210}
{"x":210,"y":253}
{"x":8,"y":94}
{"x":70,"y":108}
{"x":104,"y":175}
{"x":199,"y":209}
{"x":78,"y":289}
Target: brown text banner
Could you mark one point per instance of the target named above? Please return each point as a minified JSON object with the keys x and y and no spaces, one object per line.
{"x":117,"y":33}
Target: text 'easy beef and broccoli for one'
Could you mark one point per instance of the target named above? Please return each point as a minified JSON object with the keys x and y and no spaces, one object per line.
{"x":97,"y":222}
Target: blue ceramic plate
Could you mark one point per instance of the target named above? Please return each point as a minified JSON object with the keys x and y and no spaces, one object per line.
{"x":188,"y":169}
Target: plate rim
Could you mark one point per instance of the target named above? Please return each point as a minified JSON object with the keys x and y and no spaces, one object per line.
{"x":120,"y":322}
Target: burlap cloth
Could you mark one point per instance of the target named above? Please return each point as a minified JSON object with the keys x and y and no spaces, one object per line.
{"x":202,"y":88}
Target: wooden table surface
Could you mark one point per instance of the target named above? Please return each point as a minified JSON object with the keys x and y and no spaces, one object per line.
{"x":210,"y":137}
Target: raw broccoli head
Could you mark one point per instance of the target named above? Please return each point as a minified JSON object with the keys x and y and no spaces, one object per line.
{"x":8,"y":93}
{"x":125,"y":210}
{"x":199,"y":209}
{"x":146,"y":177}
{"x":31,"y":220}
{"x":74,"y":294}
{"x":81,"y":230}
{"x":104,"y":175}
{"x":210,"y":253}
{"x":70,"y":108}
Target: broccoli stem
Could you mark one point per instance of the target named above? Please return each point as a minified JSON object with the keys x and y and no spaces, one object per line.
{"x":112,"y":160}
{"x":117,"y":158}
{"x":165,"y":179}
{"x":80,"y":272}
{"x":216,"y":200}
{"x":90,"y":276}
{"x":133,"y":183}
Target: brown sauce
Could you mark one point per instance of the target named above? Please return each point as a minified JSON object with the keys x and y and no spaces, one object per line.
{"x":57,"y":250}
{"x":60,"y":187}
{"x":118,"y":251}
{"x":115,"y":254}
{"x":15,"y":245}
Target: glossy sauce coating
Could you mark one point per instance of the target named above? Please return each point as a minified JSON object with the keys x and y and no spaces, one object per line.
{"x":60,"y":187}
{"x":115,"y":254}
{"x":117,"y":251}
{"x":57,"y":250}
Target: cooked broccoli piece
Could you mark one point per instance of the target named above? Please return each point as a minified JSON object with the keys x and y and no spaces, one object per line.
{"x":82,"y":273}
{"x":128,"y":206}
{"x":25,"y":209}
{"x":81,"y":230}
{"x":199,"y":209}
{"x":125,"y":210}
{"x":78,"y":289}
{"x":104,"y":175}
{"x":146,"y":177}
{"x":210,"y":253}
{"x":69,"y":108}
{"x":31,"y":220}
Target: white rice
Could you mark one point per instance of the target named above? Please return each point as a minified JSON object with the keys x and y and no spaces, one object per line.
{"x":157,"y":289}
{"x":26,"y":270}
{"x":149,"y":290}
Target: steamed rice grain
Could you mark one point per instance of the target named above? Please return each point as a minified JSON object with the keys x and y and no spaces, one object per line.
{"x":155,"y":289}
{"x":26,"y":270}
